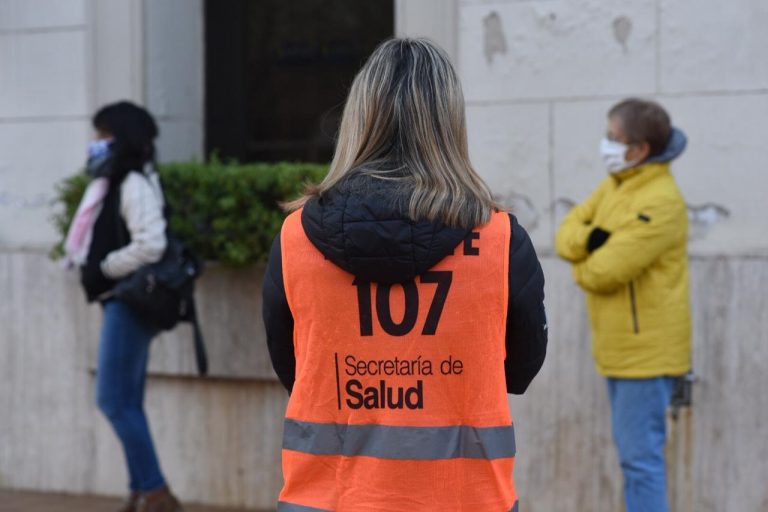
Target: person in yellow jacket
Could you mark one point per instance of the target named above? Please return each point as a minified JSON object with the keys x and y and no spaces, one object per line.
{"x":627,"y":244}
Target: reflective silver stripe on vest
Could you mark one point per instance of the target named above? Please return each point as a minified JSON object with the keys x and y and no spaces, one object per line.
{"x":284,"y":506}
{"x":391,"y":442}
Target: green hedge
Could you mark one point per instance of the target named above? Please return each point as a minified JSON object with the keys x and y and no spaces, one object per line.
{"x":226,"y":212}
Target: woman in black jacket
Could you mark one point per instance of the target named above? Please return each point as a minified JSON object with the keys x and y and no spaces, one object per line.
{"x":400,"y":198}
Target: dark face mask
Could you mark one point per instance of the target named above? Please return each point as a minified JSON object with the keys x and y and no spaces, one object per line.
{"x":100,"y":163}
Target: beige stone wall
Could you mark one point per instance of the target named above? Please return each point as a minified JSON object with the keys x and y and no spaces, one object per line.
{"x":43,"y":104}
{"x":173,"y":31}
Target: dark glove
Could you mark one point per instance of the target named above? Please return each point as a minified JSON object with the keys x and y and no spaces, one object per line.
{"x":596,"y":239}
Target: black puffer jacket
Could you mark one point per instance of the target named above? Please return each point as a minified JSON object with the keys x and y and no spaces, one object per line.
{"x":362,"y":227}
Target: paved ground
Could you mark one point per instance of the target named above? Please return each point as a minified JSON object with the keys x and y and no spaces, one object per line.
{"x":32,"y":502}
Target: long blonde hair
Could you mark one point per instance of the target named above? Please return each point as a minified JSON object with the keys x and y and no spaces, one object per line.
{"x":404,"y":120}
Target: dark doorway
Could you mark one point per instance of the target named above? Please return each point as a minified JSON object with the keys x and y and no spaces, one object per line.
{"x":277,"y":73}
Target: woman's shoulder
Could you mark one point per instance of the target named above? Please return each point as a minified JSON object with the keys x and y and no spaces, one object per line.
{"x":521,"y":250}
{"x":138,"y":184}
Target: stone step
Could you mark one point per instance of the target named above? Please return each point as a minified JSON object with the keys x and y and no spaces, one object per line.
{"x":23,"y":501}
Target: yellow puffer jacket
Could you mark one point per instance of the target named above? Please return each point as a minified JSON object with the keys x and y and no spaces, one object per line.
{"x":637,"y":282}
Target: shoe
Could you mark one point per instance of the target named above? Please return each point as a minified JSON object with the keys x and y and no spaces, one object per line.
{"x":130,"y":503}
{"x":161,"y":500}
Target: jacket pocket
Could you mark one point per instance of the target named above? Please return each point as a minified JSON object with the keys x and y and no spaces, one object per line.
{"x":633,"y":307}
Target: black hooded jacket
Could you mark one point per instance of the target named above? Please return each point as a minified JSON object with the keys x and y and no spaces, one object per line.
{"x":361,"y":226}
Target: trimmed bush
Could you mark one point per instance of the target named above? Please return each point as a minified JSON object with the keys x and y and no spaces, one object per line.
{"x":226,"y":212}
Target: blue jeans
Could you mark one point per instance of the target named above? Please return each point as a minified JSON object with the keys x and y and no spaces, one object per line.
{"x":120,"y":377}
{"x":638,"y":417}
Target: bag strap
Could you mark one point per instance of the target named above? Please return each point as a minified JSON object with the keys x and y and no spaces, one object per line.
{"x":123,"y":236}
{"x":201,"y":356}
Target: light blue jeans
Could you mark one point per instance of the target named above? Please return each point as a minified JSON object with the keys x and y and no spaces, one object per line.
{"x":638,"y":417}
{"x":120,"y":378}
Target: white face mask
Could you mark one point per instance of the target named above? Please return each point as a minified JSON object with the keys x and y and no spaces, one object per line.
{"x":613,"y":155}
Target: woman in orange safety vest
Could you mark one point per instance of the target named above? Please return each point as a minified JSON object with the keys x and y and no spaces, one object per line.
{"x":401,"y":306}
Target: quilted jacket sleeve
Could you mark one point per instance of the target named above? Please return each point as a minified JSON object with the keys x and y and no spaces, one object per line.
{"x":630,"y":250}
{"x":571,"y":239}
{"x":526,"y":334}
{"x":278,"y":319}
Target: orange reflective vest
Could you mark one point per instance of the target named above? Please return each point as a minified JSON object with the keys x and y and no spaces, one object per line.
{"x":400,"y":399}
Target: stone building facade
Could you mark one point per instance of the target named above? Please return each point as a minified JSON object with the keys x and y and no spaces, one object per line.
{"x":538,"y":77}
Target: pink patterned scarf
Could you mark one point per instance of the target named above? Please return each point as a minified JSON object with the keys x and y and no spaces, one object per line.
{"x":78,"y":240}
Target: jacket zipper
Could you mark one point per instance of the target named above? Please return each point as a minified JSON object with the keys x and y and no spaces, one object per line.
{"x":633,"y":306}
